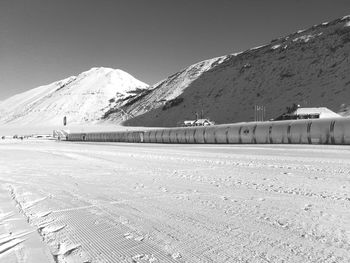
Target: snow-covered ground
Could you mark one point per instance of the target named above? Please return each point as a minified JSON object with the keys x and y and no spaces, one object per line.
{"x":107,"y":202}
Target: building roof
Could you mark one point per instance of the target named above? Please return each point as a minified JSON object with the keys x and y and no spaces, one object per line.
{"x":189,"y":122}
{"x":202,"y":120}
{"x":322,"y":111}
{"x":198,"y":122}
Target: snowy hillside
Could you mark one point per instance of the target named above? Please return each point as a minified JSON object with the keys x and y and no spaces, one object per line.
{"x":165,"y":91}
{"x":309,"y":67}
{"x":84,"y":98}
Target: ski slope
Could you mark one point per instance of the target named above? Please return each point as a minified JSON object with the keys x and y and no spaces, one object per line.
{"x":115,"y":202}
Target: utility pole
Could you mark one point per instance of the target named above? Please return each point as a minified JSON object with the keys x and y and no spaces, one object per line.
{"x":201,"y":109}
{"x":259,"y":112}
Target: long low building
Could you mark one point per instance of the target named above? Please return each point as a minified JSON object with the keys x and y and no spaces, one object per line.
{"x":309,"y":113}
{"x":309,"y":131}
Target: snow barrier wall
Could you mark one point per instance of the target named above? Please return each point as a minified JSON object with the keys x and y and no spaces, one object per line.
{"x":316,"y":131}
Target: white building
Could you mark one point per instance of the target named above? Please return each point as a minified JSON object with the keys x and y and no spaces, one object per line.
{"x":316,"y":113}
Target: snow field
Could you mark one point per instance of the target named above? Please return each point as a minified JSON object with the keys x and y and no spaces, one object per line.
{"x":183,"y":203}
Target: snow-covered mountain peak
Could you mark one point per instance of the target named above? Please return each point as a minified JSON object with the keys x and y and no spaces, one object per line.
{"x":97,"y":70}
{"x":82,"y":98}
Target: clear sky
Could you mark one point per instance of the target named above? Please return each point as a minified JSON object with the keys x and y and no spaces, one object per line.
{"x":42,"y":41}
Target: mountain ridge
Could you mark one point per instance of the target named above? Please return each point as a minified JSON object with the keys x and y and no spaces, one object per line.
{"x":82,"y":98}
{"x":308,"y":67}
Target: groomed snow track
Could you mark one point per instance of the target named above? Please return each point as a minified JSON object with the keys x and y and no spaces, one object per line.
{"x":315,"y":131}
{"x":155,"y":203}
